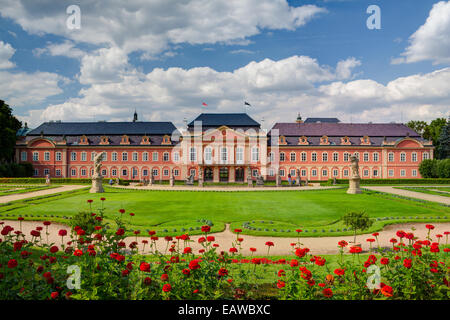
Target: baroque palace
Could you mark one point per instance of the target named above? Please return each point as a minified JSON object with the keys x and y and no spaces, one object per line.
{"x":224,"y":147}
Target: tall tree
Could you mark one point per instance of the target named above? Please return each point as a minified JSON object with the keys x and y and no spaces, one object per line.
{"x":433,"y":130}
{"x":418,"y":126}
{"x":8,"y":129}
{"x":443,"y":150}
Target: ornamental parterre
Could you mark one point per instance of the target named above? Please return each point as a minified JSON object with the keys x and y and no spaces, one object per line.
{"x":412,"y":269}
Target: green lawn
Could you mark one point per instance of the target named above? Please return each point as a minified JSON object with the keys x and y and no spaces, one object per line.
{"x":6,"y":190}
{"x":267,"y":213}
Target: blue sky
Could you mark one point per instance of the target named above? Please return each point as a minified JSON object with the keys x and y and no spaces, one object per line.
{"x":317,"y":58}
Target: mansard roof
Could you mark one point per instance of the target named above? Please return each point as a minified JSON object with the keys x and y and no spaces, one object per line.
{"x":231,"y":120}
{"x":344,"y":129}
{"x":322,"y":120}
{"x":103,"y":128}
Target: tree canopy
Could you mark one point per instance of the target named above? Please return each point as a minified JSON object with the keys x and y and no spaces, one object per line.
{"x":9,"y":125}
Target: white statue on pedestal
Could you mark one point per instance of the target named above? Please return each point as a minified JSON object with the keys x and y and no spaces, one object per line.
{"x":97,"y":177}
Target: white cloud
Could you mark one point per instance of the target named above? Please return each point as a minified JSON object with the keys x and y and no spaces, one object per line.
{"x":153,"y":26}
{"x":66,"y":49}
{"x":431,"y":41}
{"x":6,"y":52}
{"x":344,"y":68}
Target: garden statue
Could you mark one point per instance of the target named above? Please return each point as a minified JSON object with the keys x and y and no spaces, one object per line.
{"x":278,"y":178}
{"x":152,"y":178}
{"x":353,"y":187}
{"x":200,"y":177}
{"x":298,"y":181}
{"x":172,"y":179}
{"x":47,"y":179}
{"x":249,"y":178}
{"x":259,"y":181}
{"x":97,"y":177}
{"x":190,"y":179}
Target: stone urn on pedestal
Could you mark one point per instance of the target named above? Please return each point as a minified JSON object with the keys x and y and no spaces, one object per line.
{"x":353,"y":187}
{"x":97,"y":178}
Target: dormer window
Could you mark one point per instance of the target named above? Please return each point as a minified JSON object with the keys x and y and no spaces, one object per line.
{"x":324,"y":140}
{"x":166,"y":140}
{"x":345,"y":141}
{"x":303,"y":140}
{"x":84,"y":140}
{"x":365,"y":140}
{"x":104,"y":140}
{"x":145,"y":140}
{"x":125,"y":139}
{"x":282,"y":140}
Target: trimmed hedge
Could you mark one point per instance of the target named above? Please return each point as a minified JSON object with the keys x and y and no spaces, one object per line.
{"x":16,"y":170}
{"x":433,"y":168}
{"x":393,"y":181}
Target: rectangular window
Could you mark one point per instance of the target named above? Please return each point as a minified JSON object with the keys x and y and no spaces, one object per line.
{"x":425,"y":156}
{"x":192,"y":154}
{"x":402,"y":172}
{"x":345,"y":172}
{"x":271,"y":172}
{"x":314,"y":172}
{"x":223,"y":155}
{"x":145,"y":172}
{"x":402,"y":157}
{"x":414,"y":172}
{"x":46,"y":172}
{"x":35,"y":172}
{"x":145,"y":156}
{"x":255,"y":154}
{"x":114,"y":172}
{"x":165,"y":172}
{"x":255,"y":172}
{"x":271,"y":157}
{"x":58,"y":156}
{"x":208,"y":154}
{"x":114,"y":156}
{"x":324,"y":172}
{"x":335,"y":157}
{"x":192,"y":172}
{"x":366,"y":157}
{"x":104,"y":172}
{"x":134,"y":156}
{"x":282,"y":156}
{"x":314,"y":156}
{"x":375,"y":157}
{"x":83,"y":172}
{"x":135,"y":172}
{"x":105,"y":156}
{"x":73,"y":172}
{"x":73,"y":156}
{"x":335,"y":173}
{"x":124,"y":156}
{"x":324,"y":157}
{"x":391,"y":157}
{"x":92,"y":156}
{"x":176,"y":172}
{"x":155,"y":156}
{"x":414,"y":157}
{"x":346,"y":157}
{"x":366,"y":173}
{"x":293,"y":157}
{"x":303,"y":156}
{"x":165,"y":156}
{"x":282,"y":172}
{"x":58,"y":172}
{"x":83,"y":156}
{"x":391,"y":172}
{"x":155,"y":172}
{"x":303,"y":172}
{"x":46,"y":156}
{"x":124,"y":172}
{"x":23,"y":156}
{"x":375,"y":172}
{"x":292,"y":172}
{"x":176,"y":157}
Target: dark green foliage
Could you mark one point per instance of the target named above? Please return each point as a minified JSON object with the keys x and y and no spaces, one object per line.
{"x":433,"y":168}
{"x":8,"y":129}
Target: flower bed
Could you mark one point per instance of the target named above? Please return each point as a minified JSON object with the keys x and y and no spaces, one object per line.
{"x":93,"y":262}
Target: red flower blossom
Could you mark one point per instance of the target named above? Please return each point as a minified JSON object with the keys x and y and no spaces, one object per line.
{"x":187,"y":250}
{"x":54,"y":294}
{"x":12,"y":263}
{"x":429,"y":226}
{"x":355,"y":249}
{"x":145,"y":267}
{"x":339,"y":272}
{"x":206,"y":229}
{"x":280,"y":284}
{"x":186,"y":271}
{"x":407,"y":263}
{"x":167,"y":287}
{"x":164,"y":277}
{"x":269,"y":244}
{"x":223,"y":272}
{"x":342,"y":243}
{"x":384,"y":261}
{"x":62,"y":232}
{"x":233,"y":250}
{"x":194,"y":264}
{"x":387,"y":291}
{"x":78,"y":253}
{"x":401,"y":234}
{"x":237,"y":230}
{"x":120,"y":232}
{"x":54,"y":249}
{"x":327,"y":292}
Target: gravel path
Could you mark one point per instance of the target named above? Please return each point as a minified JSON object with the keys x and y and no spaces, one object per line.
{"x":322,"y":245}
{"x":218,"y":188}
{"x":19,"y":196}
{"x":411,"y":194}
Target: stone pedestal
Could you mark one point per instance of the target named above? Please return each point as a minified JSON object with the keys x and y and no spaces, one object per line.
{"x":97,"y":186}
{"x":353,"y":187}
{"x":172,"y":181}
{"x":150,"y":182}
{"x":200,"y":182}
{"x":278,"y":180}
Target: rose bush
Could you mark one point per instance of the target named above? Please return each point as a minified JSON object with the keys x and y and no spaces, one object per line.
{"x":35,"y":269}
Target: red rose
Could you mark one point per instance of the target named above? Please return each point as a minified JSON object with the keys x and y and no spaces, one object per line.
{"x":47,"y":223}
{"x":223,"y":272}
{"x":384,"y":261}
{"x":401,"y":234}
{"x":269,"y":244}
{"x":167,"y":287}
{"x":145,"y":267}
{"x":186,"y":271}
{"x":206,"y":229}
{"x":233,"y":250}
{"x":407,"y":263}
{"x":120,"y":232}
{"x":54,"y":294}
{"x":54,"y":249}
{"x":78,"y":253}
{"x":210,"y":238}
{"x":328,"y":293}
{"x":164,"y":277}
{"x":280,"y":284}
{"x":339,"y":272}
{"x":187,"y":250}
{"x":387,"y":291}
{"x":12,"y":263}
{"x":62,"y":232}
{"x":194,"y":264}
{"x":125,"y":272}
{"x":342,"y":243}
{"x":35,"y":233}
{"x":147,"y":281}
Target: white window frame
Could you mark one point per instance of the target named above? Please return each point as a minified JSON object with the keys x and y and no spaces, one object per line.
{"x":73,"y":156}
{"x":324,"y":156}
{"x":376,"y":157}
{"x":145,"y":156}
{"x":83,"y":156}
{"x":304,"y":156}
{"x":46,"y":156}
{"x":135,"y":156}
{"x":414,"y":157}
{"x":335,"y":156}
{"x":114,"y":156}
{"x":391,"y":157}
{"x":124,"y":156}
{"x":166,"y":157}
{"x":255,"y":154}
{"x":155,"y":156}
{"x":23,"y":156}
{"x":402,"y":157}
{"x":293,"y":156}
{"x":192,"y":154}
{"x":366,"y":157}
{"x":314,"y":157}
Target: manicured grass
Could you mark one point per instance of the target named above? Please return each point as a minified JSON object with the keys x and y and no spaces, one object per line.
{"x":6,"y":190}
{"x":442,"y":191}
{"x":319,"y":210}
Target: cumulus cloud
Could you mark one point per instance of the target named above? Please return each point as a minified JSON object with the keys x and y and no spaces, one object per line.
{"x":153,"y":26}
{"x":6,"y":52}
{"x":431,"y":41}
{"x":66,"y":49}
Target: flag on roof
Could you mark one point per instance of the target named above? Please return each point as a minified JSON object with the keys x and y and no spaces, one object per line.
{"x":247,"y":104}
{"x":204,"y":104}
